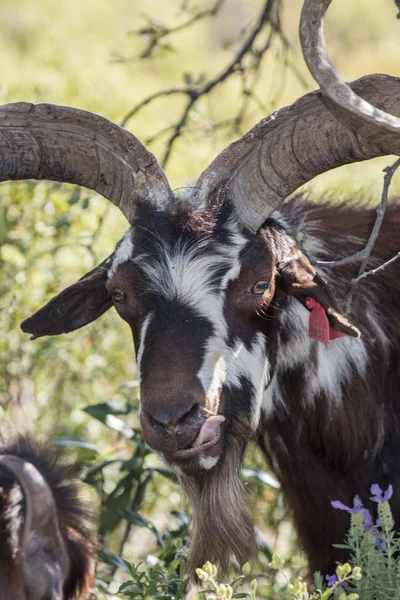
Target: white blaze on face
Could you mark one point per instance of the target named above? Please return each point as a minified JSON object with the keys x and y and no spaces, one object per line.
{"x":184,"y":273}
{"x":122,"y":254}
{"x":212,"y":375}
{"x":143,"y":332}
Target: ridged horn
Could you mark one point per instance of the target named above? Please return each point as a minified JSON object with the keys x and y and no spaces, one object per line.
{"x":65,"y":144}
{"x":317,"y":59}
{"x":301,"y":141}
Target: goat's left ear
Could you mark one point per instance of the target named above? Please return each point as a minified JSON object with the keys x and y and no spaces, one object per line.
{"x":74,"y":307}
{"x":300,"y":279}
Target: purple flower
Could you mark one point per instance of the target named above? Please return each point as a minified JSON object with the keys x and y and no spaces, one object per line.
{"x":332,"y":579}
{"x":357,"y":505}
{"x":357,"y":508}
{"x":378,"y":495}
{"x":380,"y":543}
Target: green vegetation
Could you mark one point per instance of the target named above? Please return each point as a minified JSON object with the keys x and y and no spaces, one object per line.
{"x":80,"y":389}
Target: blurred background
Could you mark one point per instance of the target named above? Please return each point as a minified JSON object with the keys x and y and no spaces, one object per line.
{"x":80,"y":390}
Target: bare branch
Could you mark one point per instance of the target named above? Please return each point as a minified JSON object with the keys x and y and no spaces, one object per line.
{"x":380,"y":268}
{"x":178,"y":90}
{"x":254,"y":48}
{"x":364,"y":254}
{"x":380,"y":213}
{"x":159,"y":32}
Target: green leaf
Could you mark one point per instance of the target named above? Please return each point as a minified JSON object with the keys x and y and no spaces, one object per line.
{"x":75,"y":444}
{"x":102,"y":414}
{"x":110,"y":408}
{"x":113,"y":559}
{"x":137,"y":519}
{"x":318,"y":580}
{"x":262,"y":476}
{"x":118,"y":500}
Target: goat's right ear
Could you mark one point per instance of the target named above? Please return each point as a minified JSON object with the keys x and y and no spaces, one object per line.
{"x":76,"y":306}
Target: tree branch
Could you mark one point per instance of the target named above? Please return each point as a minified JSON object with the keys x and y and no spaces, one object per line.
{"x":158,"y":32}
{"x":254,"y":46}
{"x":364,"y":255}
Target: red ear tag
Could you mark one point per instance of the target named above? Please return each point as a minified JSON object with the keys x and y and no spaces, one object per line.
{"x":318,"y":324}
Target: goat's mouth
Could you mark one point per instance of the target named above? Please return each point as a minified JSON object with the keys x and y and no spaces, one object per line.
{"x":204,"y":451}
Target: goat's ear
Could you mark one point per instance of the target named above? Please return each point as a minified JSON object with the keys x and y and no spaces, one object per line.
{"x":76,"y":306}
{"x":300,"y":279}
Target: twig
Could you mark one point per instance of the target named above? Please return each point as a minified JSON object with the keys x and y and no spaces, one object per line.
{"x":158,"y":33}
{"x":178,"y":90}
{"x":196,"y":91}
{"x":380,"y":268}
{"x":231,"y":68}
{"x":364,"y":254}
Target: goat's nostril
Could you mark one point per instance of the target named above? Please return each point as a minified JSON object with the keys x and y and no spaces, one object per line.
{"x":192,"y":413}
{"x":172,"y":419}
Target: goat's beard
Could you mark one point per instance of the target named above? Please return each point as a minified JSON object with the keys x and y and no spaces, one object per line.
{"x":222,"y":530}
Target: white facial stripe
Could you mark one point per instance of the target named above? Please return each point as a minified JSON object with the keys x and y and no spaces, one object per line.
{"x":143,"y":332}
{"x":122,"y":254}
{"x":185,"y":274}
{"x":225,"y":365}
{"x":212,"y":376}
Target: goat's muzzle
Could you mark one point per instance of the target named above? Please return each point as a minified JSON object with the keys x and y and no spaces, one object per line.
{"x":188,"y":440}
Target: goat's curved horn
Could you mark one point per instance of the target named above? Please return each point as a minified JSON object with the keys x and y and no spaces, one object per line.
{"x":317,"y":59}
{"x":312,"y":136}
{"x":65,"y":144}
{"x":40,"y":510}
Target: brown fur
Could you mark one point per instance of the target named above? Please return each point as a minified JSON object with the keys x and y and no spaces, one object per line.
{"x":222,"y":530}
{"x":325,"y":452}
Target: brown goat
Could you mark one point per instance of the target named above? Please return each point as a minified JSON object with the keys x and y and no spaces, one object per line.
{"x":47,"y":548}
{"x":217,"y":292}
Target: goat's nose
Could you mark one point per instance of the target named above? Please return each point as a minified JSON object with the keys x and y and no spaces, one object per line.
{"x":175,"y":418}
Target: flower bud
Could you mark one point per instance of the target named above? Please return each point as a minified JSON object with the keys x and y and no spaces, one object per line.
{"x":202,"y":575}
{"x":277,"y":561}
{"x":210,"y":569}
{"x":356,"y":525}
{"x":385,"y":516}
{"x":343,"y":570}
{"x":246,"y":568}
{"x":357,"y":573}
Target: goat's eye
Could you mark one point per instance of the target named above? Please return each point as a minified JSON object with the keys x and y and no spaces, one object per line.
{"x":259,"y":287}
{"x":117,"y":295}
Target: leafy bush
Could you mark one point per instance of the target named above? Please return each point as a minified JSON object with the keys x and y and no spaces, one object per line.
{"x":372,"y":573}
